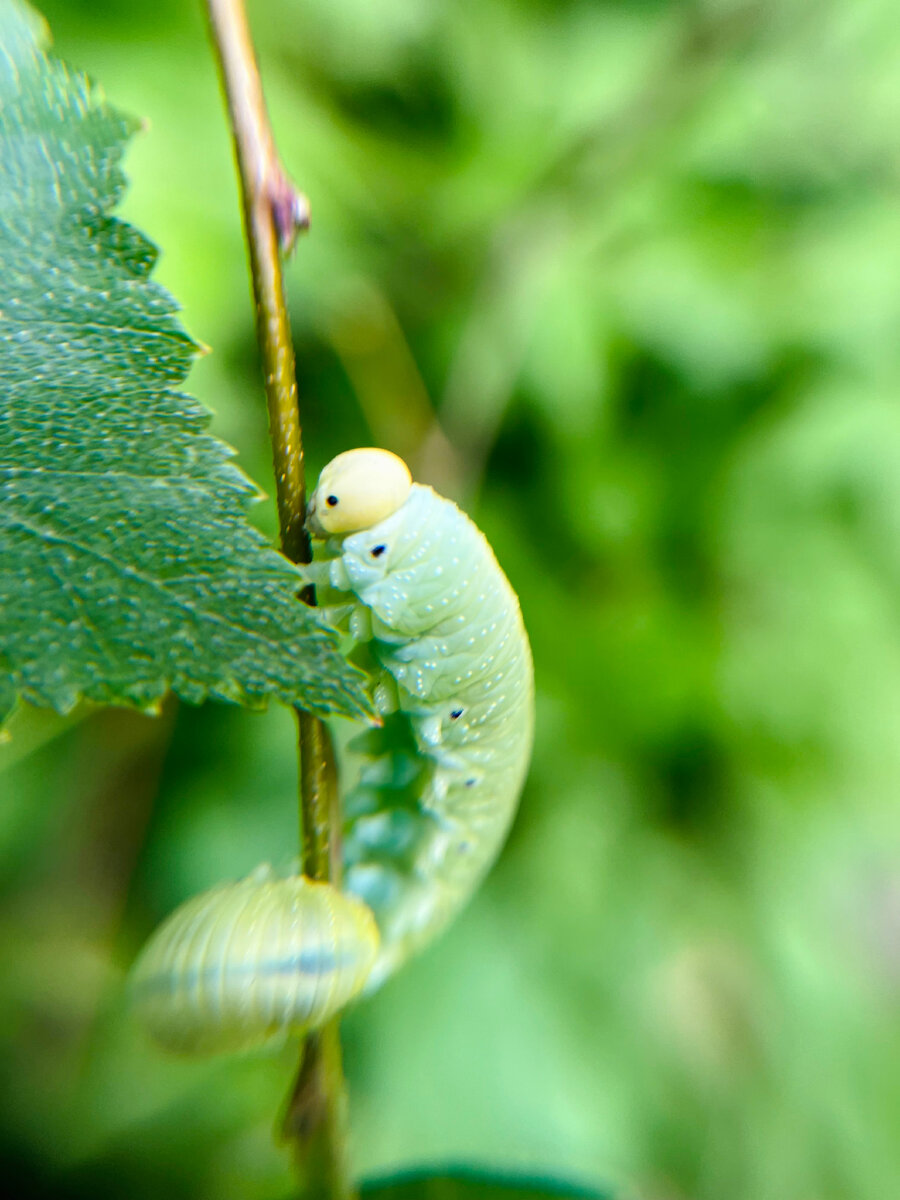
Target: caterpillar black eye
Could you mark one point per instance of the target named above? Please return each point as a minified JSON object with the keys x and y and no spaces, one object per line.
{"x":456,"y":714}
{"x":377,"y":551}
{"x":331,"y":501}
{"x":471,"y":782}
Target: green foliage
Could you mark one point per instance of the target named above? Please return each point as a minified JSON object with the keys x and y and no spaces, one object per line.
{"x":128,"y":567}
{"x":643,"y":258}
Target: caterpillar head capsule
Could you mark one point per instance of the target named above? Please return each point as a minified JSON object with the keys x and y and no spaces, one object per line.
{"x":356,"y":490}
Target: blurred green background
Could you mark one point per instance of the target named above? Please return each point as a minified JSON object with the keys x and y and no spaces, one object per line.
{"x":642,"y":263}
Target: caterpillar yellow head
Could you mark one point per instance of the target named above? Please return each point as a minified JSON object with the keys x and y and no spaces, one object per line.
{"x":356,"y":490}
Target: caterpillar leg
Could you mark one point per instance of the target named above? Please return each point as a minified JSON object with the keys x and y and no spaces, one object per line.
{"x":337,"y":615}
{"x":316,"y":573}
{"x":251,"y":962}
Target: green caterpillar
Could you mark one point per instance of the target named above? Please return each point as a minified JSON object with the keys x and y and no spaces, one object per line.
{"x":433,"y":618}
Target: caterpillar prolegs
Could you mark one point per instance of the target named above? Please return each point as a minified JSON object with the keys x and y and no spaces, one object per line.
{"x":430,"y":615}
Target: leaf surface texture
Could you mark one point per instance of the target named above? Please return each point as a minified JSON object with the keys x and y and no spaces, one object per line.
{"x":127,"y":565}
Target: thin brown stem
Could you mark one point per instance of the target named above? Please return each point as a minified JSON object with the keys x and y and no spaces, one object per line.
{"x":274,"y":211}
{"x":315,"y":1119}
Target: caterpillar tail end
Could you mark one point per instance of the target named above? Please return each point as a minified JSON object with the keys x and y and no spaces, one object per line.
{"x":248,"y":964}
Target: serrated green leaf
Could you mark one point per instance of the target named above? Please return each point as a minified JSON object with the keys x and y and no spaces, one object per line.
{"x":126,"y":564}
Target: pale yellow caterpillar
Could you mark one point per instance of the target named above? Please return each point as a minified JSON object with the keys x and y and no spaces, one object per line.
{"x":435,"y":621}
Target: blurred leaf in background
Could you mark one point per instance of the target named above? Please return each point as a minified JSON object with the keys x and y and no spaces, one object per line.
{"x":623,"y":277}
{"x":471,"y":1185}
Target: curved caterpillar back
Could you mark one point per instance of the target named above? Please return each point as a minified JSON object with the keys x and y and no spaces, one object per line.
{"x":437,"y":625}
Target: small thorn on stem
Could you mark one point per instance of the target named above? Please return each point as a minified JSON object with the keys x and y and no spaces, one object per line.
{"x":290,"y":210}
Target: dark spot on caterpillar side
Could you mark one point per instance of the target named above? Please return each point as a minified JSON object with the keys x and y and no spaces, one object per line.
{"x":331,"y":501}
{"x":471,"y":782}
{"x":456,"y":714}
{"x":377,"y":551}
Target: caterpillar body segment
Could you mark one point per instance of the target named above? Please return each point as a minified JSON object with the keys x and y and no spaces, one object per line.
{"x":429,"y":614}
{"x":247,"y":963}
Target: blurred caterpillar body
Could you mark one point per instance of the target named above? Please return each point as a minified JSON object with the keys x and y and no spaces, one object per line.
{"x":434,"y":619}
{"x":241,"y":963}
